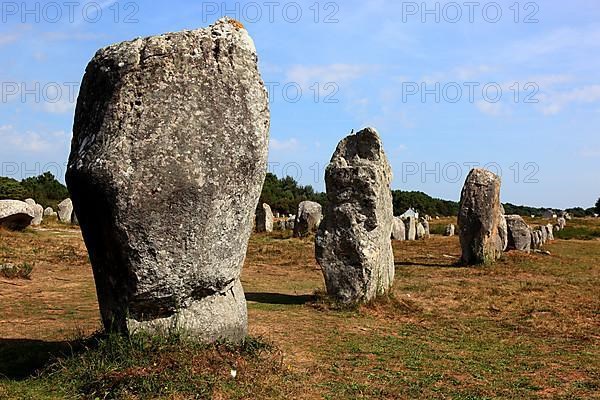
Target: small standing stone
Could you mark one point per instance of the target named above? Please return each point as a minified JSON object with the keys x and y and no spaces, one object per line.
{"x":308,"y":218}
{"x":38,"y":212}
{"x":480,"y":218}
{"x":420,"y":231}
{"x":65,"y":211}
{"x":264,"y":218}
{"x":450,"y":229}
{"x":550,"y":232}
{"x":544,"y":233}
{"x":411,"y":228}
{"x":425,"y":224}
{"x":519,"y":234}
{"x":398,"y":229}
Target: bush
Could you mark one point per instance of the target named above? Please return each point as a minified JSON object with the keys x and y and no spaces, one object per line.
{"x":20,"y":271}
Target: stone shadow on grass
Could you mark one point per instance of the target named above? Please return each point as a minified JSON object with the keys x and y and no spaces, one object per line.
{"x":455,"y":264}
{"x":23,"y":358}
{"x":278,"y":298}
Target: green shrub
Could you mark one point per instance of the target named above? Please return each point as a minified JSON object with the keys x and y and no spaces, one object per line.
{"x":20,"y":271}
{"x":578,"y":233}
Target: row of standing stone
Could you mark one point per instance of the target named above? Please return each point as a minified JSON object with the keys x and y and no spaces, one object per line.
{"x":165,"y":177}
{"x":305,"y":222}
{"x":18,"y":215}
{"x":484,"y":229}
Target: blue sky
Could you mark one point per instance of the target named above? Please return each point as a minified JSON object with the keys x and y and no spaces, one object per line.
{"x":416,"y":73}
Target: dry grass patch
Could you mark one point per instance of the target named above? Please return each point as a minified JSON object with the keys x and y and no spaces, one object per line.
{"x":525,"y":327}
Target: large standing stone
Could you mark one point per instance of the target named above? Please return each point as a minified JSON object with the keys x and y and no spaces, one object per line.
{"x":65,"y":211}
{"x":398,"y":229}
{"x":308,"y":218}
{"x":15,"y":215}
{"x":450,"y":229}
{"x":264,"y":218}
{"x":411,"y":228}
{"x":353,"y":243}
{"x":167,"y":163}
{"x":519,"y":234}
{"x":562,"y":223}
{"x":480,"y":218}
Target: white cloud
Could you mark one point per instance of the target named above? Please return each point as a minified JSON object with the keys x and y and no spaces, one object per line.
{"x":29,"y":141}
{"x":590,"y":153}
{"x":9,"y":38}
{"x":291,"y":144}
{"x":552,"y":103}
{"x":557,"y":41}
{"x":59,"y":107}
{"x":468,"y":72}
{"x":71,"y":36}
{"x":306,"y":75}
{"x":493,"y":109}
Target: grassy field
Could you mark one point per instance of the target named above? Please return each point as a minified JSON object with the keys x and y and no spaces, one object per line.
{"x":526,"y":328}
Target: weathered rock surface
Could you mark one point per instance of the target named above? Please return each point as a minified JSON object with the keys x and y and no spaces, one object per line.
{"x":450,"y":230}
{"x":308,"y":218}
{"x":167,"y":163}
{"x":65,"y":211}
{"x":264,"y":218}
{"x":15,"y":215}
{"x":480,"y":218}
{"x":562,"y":222}
{"x":398,"y":229}
{"x":411,"y":228}
{"x":49,"y":212}
{"x":353,"y":243}
{"x":519,"y":234}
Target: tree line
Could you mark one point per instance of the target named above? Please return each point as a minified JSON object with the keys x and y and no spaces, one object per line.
{"x":44,"y":189}
{"x":282,"y":194}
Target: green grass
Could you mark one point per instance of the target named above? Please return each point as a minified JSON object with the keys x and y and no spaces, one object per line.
{"x":139,"y":366}
{"x":578,"y":233}
{"x":523,"y":328}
